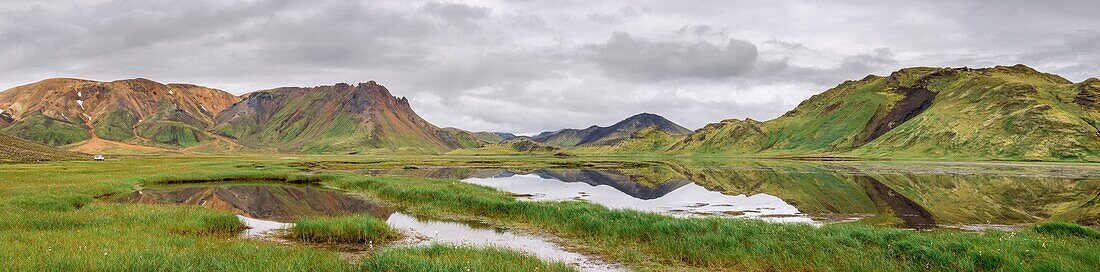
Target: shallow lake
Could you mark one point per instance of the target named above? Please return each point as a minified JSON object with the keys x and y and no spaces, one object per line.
{"x":971,"y":196}
{"x":271,"y":207}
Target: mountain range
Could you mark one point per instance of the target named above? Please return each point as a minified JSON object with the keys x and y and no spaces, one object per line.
{"x":61,"y":112}
{"x":998,"y":113}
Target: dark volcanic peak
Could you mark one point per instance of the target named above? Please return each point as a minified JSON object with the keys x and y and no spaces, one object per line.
{"x":596,"y":135}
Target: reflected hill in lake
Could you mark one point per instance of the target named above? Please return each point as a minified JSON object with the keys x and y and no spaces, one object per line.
{"x":277,"y":202}
{"x":630,"y":185}
{"x":900,"y":194}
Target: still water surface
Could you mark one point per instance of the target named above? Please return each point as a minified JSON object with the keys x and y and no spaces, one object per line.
{"x":268,"y":208}
{"x":913,"y":195}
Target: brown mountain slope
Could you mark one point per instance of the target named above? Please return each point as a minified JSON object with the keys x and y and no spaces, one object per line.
{"x":335,"y":119}
{"x":64,"y":111}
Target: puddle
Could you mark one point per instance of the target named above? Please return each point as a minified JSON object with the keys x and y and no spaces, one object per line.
{"x":266,"y":209}
{"x":424,"y":233}
{"x":675,"y":197}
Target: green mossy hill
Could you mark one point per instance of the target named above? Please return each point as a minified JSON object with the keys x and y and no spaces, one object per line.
{"x":334,"y":119}
{"x":999,"y":113}
{"x":41,"y":129}
{"x":170,"y":133}
{"x":651,"y":140}
{"x":118,"y":126}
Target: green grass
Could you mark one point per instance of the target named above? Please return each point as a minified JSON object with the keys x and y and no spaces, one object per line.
{"x":51,"y":220}
{"x":452,"y":258}
{"x":1067,"y":229}
{"x":350,"y":229}
{"x":647,"y":240}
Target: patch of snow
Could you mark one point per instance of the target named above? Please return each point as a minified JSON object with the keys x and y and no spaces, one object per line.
{"x":81,"y":103}
{"x":139,"y":120}
{"x":204,"y":108}
{"x":89,"y":117}
{"x":78,"y":94}
{"x":1,"y":111}
{"x":170,"y":92}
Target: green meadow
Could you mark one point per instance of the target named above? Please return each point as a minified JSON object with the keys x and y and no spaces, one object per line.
{"x":53,"y":216}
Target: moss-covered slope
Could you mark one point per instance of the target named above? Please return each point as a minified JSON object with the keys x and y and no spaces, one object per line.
{"x":1000,"y":113}
{"x":335,"y":119}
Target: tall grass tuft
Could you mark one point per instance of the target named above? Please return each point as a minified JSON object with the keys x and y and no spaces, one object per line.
{"x":456,"y":258}
{"x":1066,"y":229}
{"x":350,"y":229}
{"x":207,"y":223}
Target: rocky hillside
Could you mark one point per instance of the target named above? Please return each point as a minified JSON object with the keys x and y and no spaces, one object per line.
{"x":18,"y":150}
{"x":62,"y":111}
{"x":1009,"y":113}
{"x":602,"y":136}
{"x":334,"y":119}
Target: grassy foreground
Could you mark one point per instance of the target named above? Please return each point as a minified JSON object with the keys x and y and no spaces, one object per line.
{"x":650,"y":241}
{"x":50,"y":220}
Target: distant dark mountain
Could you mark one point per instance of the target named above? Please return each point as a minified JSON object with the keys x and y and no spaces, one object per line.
{"x":597,"y":136}
{"x":494,"y":137}
{"x":616,"y":179}
{"x":506,"y":136}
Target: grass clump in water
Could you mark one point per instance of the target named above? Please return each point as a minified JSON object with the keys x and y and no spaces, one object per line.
{"x":351,"y":229}
{"x":205,"y":222}
{"x":452,"y":258}
{"x":1066,"y":229}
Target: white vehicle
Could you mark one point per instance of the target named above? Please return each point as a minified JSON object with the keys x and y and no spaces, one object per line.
{"x":98,"y":157}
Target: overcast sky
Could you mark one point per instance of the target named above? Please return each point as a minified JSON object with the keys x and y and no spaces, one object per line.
{"x":528,"y":66}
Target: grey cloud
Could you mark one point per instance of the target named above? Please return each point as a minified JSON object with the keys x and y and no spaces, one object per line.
{"x":623,"y":15}
{"x":625,"y":56}
{"x":527,"y":66}
{"x":459,"y":14}
{"x":702,"y":30}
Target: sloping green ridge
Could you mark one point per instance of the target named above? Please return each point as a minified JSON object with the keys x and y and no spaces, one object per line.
{"x":18,"y":150}
{"x":1000,"y":113}
{"x":335,"y":119}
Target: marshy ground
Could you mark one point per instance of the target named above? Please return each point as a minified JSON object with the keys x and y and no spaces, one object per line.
{"x":57,"y":216}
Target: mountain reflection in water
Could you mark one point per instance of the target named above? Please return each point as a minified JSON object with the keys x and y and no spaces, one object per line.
{"x":676,"y":197}
{"x":914,"y":195}
{"x":273,"y":202}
